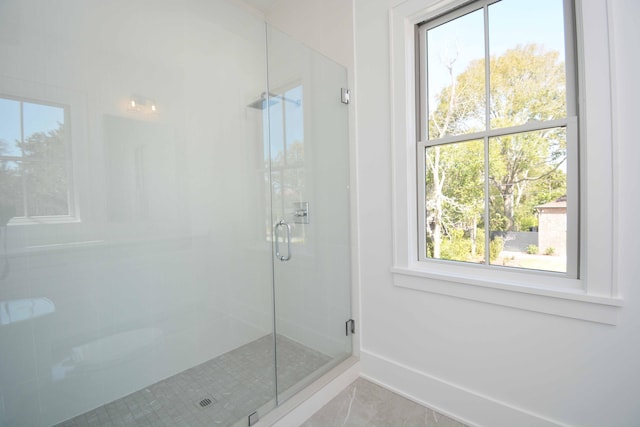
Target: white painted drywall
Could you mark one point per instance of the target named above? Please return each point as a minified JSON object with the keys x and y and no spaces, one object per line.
{"x":487,"y":364}
{"x":326,"y":26}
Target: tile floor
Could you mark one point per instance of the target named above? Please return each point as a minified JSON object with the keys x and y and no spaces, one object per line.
{"x":366,"y":404}
{"x":236,"y":383}
{"x":240,"y":381}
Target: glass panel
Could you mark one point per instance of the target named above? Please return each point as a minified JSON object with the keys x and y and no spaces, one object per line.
{"x":456,"y":76}
{"x":277,"y":127}
{"x":455,"y":201}
{"x":43,"y":131}
{"x":46,"y":186}
{"x":11,"y":191}
{"x":294,"y":110}
{"x":154,"y":306}
{"x":528,"y":78}
{"x":10,"y":132}
{"x":313,"y":288}
{"x":528,"y":209}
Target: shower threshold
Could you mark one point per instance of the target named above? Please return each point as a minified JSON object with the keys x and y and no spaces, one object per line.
{"x":221,"y":391}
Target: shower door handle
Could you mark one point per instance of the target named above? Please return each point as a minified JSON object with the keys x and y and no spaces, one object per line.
{"x":277,"y":236}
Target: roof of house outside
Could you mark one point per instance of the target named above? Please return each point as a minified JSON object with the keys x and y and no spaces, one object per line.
{"x":560,"y":202}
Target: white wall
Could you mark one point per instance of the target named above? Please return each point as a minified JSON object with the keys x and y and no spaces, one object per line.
{"x":487,"y":364}
{"x":325,"y":26}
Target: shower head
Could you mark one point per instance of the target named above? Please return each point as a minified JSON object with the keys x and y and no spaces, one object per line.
{"x":261,"y":103}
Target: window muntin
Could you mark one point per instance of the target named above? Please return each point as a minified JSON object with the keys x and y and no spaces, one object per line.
{"x":34,"y":164}
{"x":489,"y":73}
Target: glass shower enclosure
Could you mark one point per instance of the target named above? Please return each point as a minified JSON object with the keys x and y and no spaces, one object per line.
{"x":309,"y":185}
{"x":174,"y":224}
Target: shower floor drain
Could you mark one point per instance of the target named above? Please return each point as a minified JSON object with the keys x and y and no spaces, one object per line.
{"x":206,"y":402}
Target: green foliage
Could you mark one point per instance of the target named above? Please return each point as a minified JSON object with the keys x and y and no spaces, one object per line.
{"x":549,"y":251}
{"x":498,"y":220}
{"x":496,"y":245}
{"x":480,"y":242}
{"x":454,"y":187}
{"x":495,"y":248}
{"x":526,"y":83}
{"x":42,"y":171}
{"x":525,"y":222}
{"x":532,"y":250}
{"x":430,"y":247}
{"x":456,"y":246}
{"x":11,"y":187}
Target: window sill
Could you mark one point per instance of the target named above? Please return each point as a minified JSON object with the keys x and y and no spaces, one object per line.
{"x":568,"y":303}
{"x":44,"y":220}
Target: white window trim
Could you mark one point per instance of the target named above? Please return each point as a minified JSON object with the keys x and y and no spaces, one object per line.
{"x":47,"y":219}
{"x":38,"y":93}
{"x":592,"y":297}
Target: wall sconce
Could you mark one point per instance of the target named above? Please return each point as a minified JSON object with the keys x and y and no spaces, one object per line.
{"x":142,"y":104}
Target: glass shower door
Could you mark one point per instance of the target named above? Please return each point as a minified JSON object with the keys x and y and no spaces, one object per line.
{"x":309,"y":187}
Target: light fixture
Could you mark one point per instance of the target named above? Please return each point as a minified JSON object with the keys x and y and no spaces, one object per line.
{"x":142,"y":104}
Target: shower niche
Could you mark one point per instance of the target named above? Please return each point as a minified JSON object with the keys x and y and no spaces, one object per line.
{"x":201,"y":275}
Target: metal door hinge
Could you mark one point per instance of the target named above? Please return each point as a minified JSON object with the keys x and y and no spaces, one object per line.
{"x":253,"y":418}
{"x":350,"y":326}
{"x":345,"y":95}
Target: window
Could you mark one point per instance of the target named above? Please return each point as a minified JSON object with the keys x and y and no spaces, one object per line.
{"x":285,"y":148}
{"x":585,"y":290}
{"x":284,"y":158}
{"x":497,"y":145}
{"x":34,"y":160}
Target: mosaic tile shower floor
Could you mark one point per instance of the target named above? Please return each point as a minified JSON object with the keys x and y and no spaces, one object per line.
{"x":236,"y":383}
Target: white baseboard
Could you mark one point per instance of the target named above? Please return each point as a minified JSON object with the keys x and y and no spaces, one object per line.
{"x":301,"y":406}
{"x":459,"y":403}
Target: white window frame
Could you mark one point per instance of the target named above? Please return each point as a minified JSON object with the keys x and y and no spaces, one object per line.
{"x":569,"y":122}
{"x":592,"y":295}
{"x":30,"y":219}
{"x":75,"y":120}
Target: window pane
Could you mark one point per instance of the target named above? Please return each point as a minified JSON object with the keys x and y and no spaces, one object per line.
{"x":528,"y":204}
{"x":46,"y":185}
{"x":527,"y":69}
{"x":11,"y":191}
{"x":44,"y":132}
{"x":10,"y":128}
{"x":455,"y":201}
{"x":456,"y":77}
{"x":294,"y":126}
{"x":276,"y":130}
{"x":278,"y":188}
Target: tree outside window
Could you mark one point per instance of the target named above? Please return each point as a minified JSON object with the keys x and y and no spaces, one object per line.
{"x":34,"y":178}
{"x":496,"y":121}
